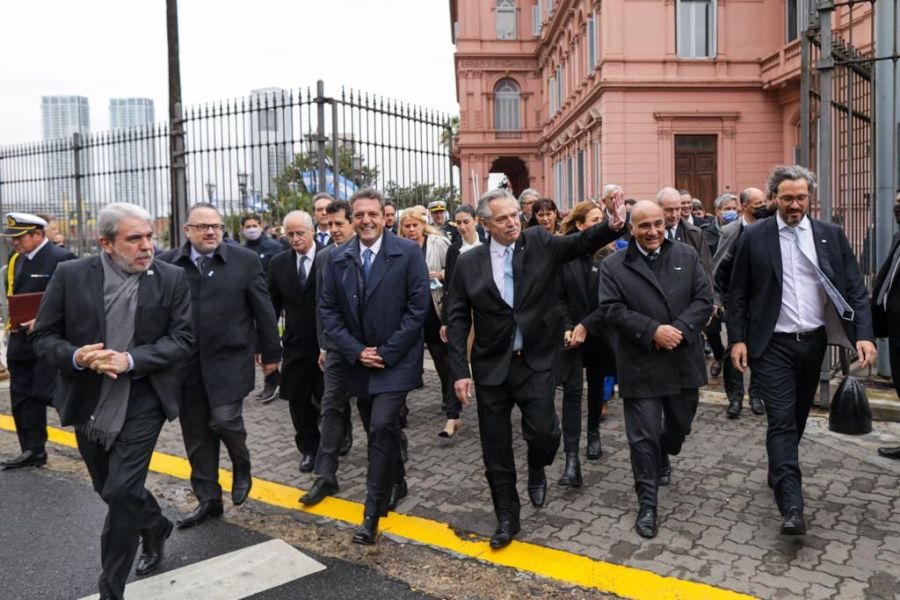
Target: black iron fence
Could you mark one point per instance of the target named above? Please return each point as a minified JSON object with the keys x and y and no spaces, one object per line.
{"x":267,"y":153}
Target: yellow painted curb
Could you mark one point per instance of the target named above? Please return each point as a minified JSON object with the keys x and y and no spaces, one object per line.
{"x":567,"y":567}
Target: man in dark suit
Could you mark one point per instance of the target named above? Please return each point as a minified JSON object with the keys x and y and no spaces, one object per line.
{"x":518,"y":328}
{"x":320,"y":205}
{"x":373,"y":303}
{"x":807,"y":265}
{"x":233,"y":315}
{"x":116,"y":327}
{"x":292,"y":286}
{"x":257,"y":241}
{"x":31,"y":379}
{"x":754,"y":208}
{"x":886,"y":313}
{"x":656,"y":295}
{"x":679,"y":229}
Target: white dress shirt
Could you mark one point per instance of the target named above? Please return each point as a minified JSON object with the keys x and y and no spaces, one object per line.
{"x":498,"y":259}
{"x":802,"y":295}
{"x":326,"y":236}
{"x":375,"y":247}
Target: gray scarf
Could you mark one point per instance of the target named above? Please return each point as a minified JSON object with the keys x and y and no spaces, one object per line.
{"x":120,"y":296}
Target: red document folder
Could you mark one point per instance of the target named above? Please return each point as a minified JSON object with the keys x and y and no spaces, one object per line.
{"x":23,"y":308}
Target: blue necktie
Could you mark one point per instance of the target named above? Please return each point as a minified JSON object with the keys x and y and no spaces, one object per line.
{"x":367,"y":263}
{"x":301,"y":271}
{"x":509,"y":291}
{"x":321,"y":236}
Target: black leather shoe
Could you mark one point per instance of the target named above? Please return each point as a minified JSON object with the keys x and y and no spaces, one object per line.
{"x":319,"y":491}
{"x":572,"y":473}
{"x":734,"y":407}
{"x":404,"y":447}
{"x":152,"y":549}
{"x":715,"y":368}
{"x":347,"y":443}
{"x":307,"y":463}
{"x":594,"y":450}
{"x":537,"y":487}
{"x":398,"y":492}
{"x":506,"y":531}
{"x":28,"y":458}
{"x":665,"y":470}
{"x":890,"y":452}
{"x":645,"y":524}
{"x":240,"y":487}
{"x":757,"y":406}
{"x":367,"y":532}
{"x":206,"y":510}
{"x":793,"y":523}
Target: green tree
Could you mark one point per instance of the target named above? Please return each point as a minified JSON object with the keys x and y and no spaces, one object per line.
{"x":421,"y":193}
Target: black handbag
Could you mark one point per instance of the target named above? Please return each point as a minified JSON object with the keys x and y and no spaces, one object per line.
{"x":850,"y":412}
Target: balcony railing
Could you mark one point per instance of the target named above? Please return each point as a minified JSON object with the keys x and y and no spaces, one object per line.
{"x":507,"y":135}
{"x":781,"y":59}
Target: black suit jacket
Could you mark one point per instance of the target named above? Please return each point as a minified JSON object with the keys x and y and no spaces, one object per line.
{"x":883,"y":321}
{"x":72,"y":315}
{"x":538,"y":313}
{"x":31,"y":276}
{"x":386,"y":312}
{"x":694,"y":237}
{"x":754,"y":295}
{"x":233,"y":318}
{"x":636,"y":299}
{"x":265,"y":248}
{"x":298,"y":303}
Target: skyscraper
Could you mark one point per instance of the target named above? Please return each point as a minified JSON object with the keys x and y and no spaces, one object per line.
{"x":61,"y":117}
{"x":134,"y":153}
{"x":270,"y":129}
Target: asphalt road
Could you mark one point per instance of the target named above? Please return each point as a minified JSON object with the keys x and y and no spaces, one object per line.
{"x":50,"y":547}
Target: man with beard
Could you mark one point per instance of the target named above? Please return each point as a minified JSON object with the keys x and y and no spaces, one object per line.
{"x":809,"y":266}
{"x":233,"y":315}
{"x":119,"y":391}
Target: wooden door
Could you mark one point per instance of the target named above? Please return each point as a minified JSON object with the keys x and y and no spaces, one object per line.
{"x":696,"y":167}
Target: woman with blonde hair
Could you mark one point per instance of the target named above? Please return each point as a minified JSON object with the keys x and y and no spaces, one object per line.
{"x":587,"y":347}
{"x":414,"y":226}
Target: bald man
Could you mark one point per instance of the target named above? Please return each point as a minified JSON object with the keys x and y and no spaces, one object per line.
{"x":657,"y":296}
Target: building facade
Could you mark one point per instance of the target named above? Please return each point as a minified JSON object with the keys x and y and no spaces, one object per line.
{"x":135,"y":162}
{"x":568,"y":95}
{"x":61,"y":116}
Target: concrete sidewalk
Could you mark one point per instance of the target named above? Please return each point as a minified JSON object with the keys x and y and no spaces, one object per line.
{"x":718,"y":522}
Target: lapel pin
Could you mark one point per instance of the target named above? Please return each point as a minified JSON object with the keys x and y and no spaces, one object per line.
{"x":210,"y":274}
{"x":150,"y":272}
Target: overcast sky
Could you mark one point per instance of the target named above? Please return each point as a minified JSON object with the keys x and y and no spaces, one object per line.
{"x":106,"y":49}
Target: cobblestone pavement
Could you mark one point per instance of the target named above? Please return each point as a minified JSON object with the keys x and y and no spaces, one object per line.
{"x":718,"y":521}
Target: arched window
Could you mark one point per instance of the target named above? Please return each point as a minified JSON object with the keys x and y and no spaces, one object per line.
{"x":506,"y":106}
{"x":506,"y":19}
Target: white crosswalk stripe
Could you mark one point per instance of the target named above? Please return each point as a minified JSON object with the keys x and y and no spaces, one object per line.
{"x":231,"y":576}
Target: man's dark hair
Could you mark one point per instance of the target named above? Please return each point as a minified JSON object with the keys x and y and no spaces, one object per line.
{"x":199,"y":205}
{"x":389,"y":202}
{"x":337,"y":206}
{"x":789,"y":172}
{"x":321,"y":196}
{"x":368,"y":193}
{"x":250,"y":217}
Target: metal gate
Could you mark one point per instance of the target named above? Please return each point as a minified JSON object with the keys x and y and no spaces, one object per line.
{"x":268,"y":153}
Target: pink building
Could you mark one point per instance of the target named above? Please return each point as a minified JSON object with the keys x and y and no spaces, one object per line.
{"x":568,"y":95}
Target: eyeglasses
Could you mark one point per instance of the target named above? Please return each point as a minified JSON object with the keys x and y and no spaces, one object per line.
{"x":204,"y":227}
{"x":788,"y":199}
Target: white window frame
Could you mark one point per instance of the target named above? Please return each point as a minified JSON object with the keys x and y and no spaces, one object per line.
{"x":507,"y":99}
{"x":591,"y":42}
{"x":536,"y":16}
{"x":553,"y":96}
{"x":508,"y":9}
{"x":560,"y":87}
{"x":690,"y":48}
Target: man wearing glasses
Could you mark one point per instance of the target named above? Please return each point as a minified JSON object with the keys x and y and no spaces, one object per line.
{"x":233,"y":314}
{"x":808,"y":265}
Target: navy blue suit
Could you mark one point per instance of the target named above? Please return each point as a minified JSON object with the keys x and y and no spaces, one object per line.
{"x":31,"y":379}
{"x":386,"y":312}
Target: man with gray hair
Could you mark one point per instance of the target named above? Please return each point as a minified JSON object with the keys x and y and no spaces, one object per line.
{"x":517,"y":329}
{"x":526,"y":200}
{"x":117,"y":327}
{"x":292,"y":286}
{"x":795,"y":288}
{"x":678,"y":228}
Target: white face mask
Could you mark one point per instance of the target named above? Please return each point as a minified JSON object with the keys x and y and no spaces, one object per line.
{"x":252,"y":233}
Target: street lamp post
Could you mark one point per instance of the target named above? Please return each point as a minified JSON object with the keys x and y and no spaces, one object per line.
{"x":242,"y":188}
{"x":210,"y":191}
